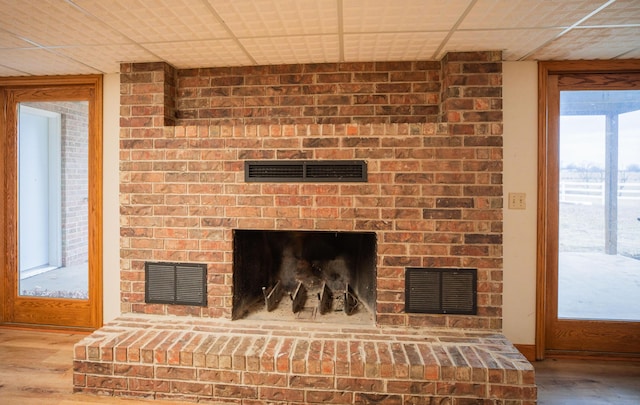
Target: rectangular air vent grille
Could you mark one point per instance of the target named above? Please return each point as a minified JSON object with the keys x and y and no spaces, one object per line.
{"x":176,"y":283}
{"x":441,"y":291}
{"x":306,"y":171}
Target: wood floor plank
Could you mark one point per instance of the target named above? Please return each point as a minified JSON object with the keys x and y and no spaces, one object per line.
{"x":573,"y":382}
{"x":37,"y":368}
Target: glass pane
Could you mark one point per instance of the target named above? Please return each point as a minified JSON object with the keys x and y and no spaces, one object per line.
{"x":599,"y":207}
{"x":53,"y":140}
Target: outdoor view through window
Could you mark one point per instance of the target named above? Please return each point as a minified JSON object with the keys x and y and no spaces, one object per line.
{"x":599,"y":215}
{"x":53,"y":145}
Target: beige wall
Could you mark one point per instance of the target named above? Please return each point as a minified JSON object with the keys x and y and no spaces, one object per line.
{"x":111,"y":203}
{"x":520,"y":164}
{"x":520,"y":95}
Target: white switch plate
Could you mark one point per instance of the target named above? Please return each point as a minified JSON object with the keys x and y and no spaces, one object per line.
{"x":517,"y":201}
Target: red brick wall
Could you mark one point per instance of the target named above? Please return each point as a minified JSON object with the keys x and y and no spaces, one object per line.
{"x":431,"y":133}
{"x":390,"y":92}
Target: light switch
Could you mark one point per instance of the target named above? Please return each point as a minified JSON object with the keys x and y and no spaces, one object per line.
{"x":517,"y":201}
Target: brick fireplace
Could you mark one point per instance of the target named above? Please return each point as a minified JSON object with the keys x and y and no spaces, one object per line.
{"x":431,"y":136}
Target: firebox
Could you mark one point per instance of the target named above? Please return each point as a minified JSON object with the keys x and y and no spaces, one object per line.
{"x":304,"y":275}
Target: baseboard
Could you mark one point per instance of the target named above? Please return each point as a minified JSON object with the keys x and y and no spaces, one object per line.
{"x":582,"y":355}
{"x":46,"y":328}
{"x":528,"y":351}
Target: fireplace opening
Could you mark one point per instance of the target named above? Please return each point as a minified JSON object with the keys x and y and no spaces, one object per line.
{"x":304,"y":275}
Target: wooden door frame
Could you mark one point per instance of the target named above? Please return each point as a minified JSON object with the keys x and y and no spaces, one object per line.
{"x":544,"y":257}
{"x":93,"y":83}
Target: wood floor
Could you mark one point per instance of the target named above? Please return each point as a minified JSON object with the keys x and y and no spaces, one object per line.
{"x":36,"y":368}
{"x":581,"y":382}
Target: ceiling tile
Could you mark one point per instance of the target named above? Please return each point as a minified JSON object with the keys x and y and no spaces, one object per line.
{"x":514,"y":43}
{"x":92,"y":36}
{"x":192,"y":54}
{"x":5,"y":72}
{"x":260,"y":18}
{"x":8,"y":41}
{"x":635,"y":54}
{"x":584,"y":43}
{"x":107,"y":58}
{"x":620,"y":12}
{"x":401,"y":16}
{"x":164,"y":20}
{"x":38,"y":61}
{"x":392,"y":46}
{"x":492,"y":14}
{"x":54,"y":23}
{"x":292,"y":49}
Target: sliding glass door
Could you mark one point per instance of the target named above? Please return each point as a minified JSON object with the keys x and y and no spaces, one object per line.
{"x":589,"y":206}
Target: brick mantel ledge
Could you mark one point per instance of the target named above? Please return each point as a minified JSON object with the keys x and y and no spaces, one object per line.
{"x":251,"y":363}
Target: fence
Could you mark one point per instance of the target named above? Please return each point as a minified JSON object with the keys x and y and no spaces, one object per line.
{"x":593,"y":192}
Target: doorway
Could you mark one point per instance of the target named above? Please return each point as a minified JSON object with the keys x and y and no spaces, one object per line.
{"x":51,"y":217}
{"x":589,"y":209}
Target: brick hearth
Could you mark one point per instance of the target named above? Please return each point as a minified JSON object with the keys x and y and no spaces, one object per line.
{"x":241,"y":362}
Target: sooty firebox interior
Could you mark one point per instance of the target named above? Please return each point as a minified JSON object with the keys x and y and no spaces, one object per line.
{"x":304,"y":275}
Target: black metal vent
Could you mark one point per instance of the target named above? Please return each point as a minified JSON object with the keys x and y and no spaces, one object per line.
{"x":176,"y":283}
{"x":441,"y":291}
{"x":306,"y":171}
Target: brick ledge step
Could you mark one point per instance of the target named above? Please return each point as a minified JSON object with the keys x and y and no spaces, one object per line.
{"x":250,"y":362}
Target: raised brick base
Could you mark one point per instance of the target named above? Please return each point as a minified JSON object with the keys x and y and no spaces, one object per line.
{"x":245,"y":362}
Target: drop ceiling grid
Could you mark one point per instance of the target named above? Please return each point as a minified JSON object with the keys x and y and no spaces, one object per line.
{"x":262,"y":18}
{"x":164,"y":20}
{"x":189,"y":33}
{"x":372,"y":16}
{"x":292,"y":49}
{"x":496,"y":14}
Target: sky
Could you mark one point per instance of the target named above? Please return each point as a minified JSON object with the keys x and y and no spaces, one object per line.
{"x":582,"y":140}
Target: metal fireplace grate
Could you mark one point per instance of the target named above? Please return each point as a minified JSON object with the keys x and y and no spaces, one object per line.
{"x":441,"y":291}
{"x":306,"y":171}
{"x":176,"y":283}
